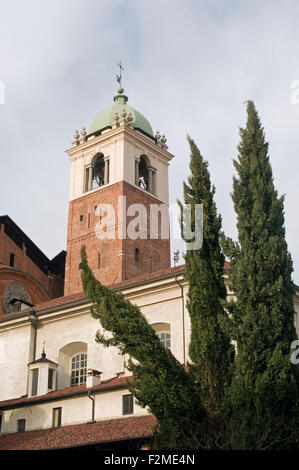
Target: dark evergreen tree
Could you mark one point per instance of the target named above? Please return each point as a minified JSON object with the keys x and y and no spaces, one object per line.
{"x":254,"y":402}
{"x":160,"y":381}
{"x":210,"y":347}
{"x":265,"y":387}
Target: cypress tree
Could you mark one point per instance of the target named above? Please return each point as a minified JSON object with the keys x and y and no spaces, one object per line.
{"x":264,"y":389}
{"x":160,"y":382}
{"x":210,"y":348}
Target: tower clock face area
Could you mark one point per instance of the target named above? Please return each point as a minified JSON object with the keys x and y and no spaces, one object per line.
{"x":15,"y":295}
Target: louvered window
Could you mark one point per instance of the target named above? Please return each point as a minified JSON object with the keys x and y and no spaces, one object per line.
{"x":127,"y":404}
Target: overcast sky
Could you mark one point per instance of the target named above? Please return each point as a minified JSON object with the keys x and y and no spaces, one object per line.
{"x":189,"y":67}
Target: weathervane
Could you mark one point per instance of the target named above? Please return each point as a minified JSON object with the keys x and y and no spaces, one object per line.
{"x":119,"y":77}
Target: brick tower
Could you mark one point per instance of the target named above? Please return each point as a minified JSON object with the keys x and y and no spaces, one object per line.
{"x":118,"y":192}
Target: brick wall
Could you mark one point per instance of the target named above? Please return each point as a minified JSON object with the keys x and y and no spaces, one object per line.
{"x":112,"y":260}
{"x":40,"y":283}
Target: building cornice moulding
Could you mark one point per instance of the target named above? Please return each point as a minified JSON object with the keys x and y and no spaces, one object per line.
{"x":120,"y":132}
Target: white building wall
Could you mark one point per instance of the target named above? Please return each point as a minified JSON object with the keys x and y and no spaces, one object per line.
{"x":76,"y":329}
{"x":77,"y":410}
{"x":14,"y":357}
{"x":67,"y":328}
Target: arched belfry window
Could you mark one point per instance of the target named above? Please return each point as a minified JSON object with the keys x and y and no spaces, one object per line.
{"x":143,"y":167}
{"x":144,"y":174}
{"x":97,"y":173}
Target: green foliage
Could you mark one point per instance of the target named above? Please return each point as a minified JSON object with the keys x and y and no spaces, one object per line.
{"x":264,"y":390}
{"x":160,"y":381}
{"x":210,"y":349}
{"x":245,"y":402}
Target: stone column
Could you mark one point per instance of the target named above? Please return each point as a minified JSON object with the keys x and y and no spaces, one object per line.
{"x":137,"y":171}
{"x":150,"y":179}
{"x":88,"y":178}
{"x":106,"y":170}
{"x":154,"y":181}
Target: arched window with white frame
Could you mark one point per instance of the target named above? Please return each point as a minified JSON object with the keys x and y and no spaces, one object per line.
{"x":72,"y":364}
{"x":96,"y":173}
{"x":165,"y":339}
{"x":163,"y":332}
{"x":78,"y":369}
{"x":145,"y":174}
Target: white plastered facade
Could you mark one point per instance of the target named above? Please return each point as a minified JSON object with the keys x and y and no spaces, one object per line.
{"x":69,"y":329}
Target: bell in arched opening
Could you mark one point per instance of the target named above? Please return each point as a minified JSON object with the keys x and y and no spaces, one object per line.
{"x":98,"y":171}
{"x":143,"y":170}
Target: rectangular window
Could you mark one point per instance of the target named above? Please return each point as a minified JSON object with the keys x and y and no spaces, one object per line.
{"x":56,"y":417}
{"x":34,"y":382}
{"x":127,"y":404}
{"x":12,"y":260}
{"x":50,"y":378}
{"x":21,"y":425}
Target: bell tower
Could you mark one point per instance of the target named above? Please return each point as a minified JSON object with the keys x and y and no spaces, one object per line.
{"x":118,"y":198}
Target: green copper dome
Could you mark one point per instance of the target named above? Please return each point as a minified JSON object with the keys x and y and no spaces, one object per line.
{"x":104,"y":118}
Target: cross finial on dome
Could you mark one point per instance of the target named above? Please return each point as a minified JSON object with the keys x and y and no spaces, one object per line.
{"x":119,"y":77}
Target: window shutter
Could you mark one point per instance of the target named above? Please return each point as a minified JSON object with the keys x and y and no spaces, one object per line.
{"x":57,"y":417}
{"x":21,"y":425}
{"x":34,"y":382}
{"x":50,"y":379}
{"x":127,"y":404}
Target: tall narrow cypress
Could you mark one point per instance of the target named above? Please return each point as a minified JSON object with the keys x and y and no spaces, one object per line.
{"x":210,"y":348}
{"x":160,"y":382}
{"x":265,"y":387}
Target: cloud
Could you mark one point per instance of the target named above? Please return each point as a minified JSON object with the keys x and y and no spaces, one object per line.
{"x":189,"y":66}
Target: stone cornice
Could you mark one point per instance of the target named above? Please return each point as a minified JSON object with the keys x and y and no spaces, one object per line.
{"x":137,"y":137}
{"x":81,"y":306}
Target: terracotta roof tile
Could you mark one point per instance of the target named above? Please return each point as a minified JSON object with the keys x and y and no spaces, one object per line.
{"x":151,"y":276}
{"x":72,"y":298}
{"x":80,"y":434}
{"x":80,"y":295}
{"x":58,"y":301}
{"x":66,"y":392}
